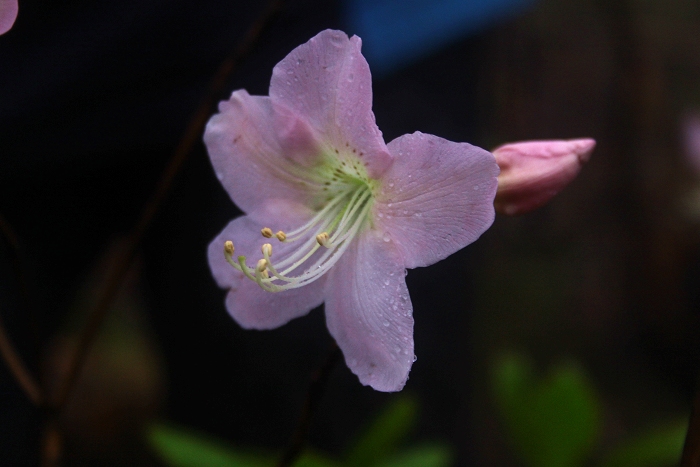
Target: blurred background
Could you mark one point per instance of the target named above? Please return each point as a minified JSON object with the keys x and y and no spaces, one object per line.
{"x":566,"y":337}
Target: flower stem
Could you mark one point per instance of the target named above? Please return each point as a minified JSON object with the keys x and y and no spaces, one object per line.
{"x":189,"y":138}
{"x":313,"y":397}
{"x":9,"y":353}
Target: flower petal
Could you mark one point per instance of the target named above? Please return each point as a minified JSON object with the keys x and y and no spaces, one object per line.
{"x":8,"y":14}
{"x":248,"y":304}
{"x":256,"y":147}
{"x":436,"y":198}
{"x":369,"y":312}
{"x":328,"y":82}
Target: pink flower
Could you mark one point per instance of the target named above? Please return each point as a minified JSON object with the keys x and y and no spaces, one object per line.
{"x":532,"y":172}
{"x":8,"y":14}
{"x":350,"y":213}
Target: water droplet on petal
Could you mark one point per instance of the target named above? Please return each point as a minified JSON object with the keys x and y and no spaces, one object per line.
{"x":386,"y":238}
{"x":351,"y":77}
{"x":386,"y":324}
{"x":391,"y":185}
{"x":415,"y":358}
{"x":386,"y":281}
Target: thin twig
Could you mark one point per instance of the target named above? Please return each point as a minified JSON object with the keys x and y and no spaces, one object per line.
{"x":313,"y":397}
{"x":191,"y":136}
{"x":691,"y":448}
{"x":8,"y":351}
{"x":18,"y":369}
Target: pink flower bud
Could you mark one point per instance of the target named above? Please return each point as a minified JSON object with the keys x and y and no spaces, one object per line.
{"x":532,"y":172}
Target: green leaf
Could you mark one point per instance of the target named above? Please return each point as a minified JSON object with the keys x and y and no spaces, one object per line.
{"x":313,"y":459}
{"x":427,"y":455}
{"x":660,"y":447}
{"x":385,"y":434}
{"x":180,"y":447}
{"x":553,"y":421}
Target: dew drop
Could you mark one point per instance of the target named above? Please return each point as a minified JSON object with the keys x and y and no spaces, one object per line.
{"x":386,"y":281}
{"x":391,"y":185}
{"x":220,"y":175}
{"x":386,"y":238}
{"x":351,"y":77}
{"x":381,"y":215}
{"x":290,"y":72}
{"x":386,"y":324}
{"x":389,"y":205}
{"x":415,"y":358}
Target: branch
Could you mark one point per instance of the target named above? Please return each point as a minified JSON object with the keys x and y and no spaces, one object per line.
{"x":191,"y":136}
{"x":313,"y":397}
{"x":14,"y":362}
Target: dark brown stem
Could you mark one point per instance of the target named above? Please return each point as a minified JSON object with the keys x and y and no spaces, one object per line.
{"x":691,"y":448}
{"x":8,"y":351}
{"x":191,"y":136}
{"x":18,"y":369}
{"x":313,"y":397}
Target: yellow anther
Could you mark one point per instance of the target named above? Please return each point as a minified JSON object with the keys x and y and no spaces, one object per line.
{"x":266,"y":232}
{"x":261,"y":266}
{"x":228,"y":247}
{"x":281,"y":236}
{"x":267,"y":249}
{"x":322,"y":238}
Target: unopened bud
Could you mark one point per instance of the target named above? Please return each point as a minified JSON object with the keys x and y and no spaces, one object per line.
{"x":228,"y":247}
{"x":266,"y":232}
{"x":281,"y":236}
{"x":532,"y":172}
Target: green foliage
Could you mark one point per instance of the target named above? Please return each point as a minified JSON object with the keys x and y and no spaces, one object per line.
{"x":427,"y":455}
{"x":661,"y":447}
{"x":385,"y":434}
{"x":180,"y":447}
{"x":553,"y":421}
{"x":378,"y":446}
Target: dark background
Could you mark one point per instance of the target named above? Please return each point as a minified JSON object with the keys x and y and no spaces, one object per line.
{"x":94,"y":97}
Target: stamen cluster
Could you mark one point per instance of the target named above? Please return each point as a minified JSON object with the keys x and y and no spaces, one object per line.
{"x":333,"y":228}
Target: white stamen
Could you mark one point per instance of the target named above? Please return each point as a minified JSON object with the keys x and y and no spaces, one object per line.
{"x":333,"y":227}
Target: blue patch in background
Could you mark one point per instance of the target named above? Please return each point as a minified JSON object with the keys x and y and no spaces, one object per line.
{"x":397,"y":32}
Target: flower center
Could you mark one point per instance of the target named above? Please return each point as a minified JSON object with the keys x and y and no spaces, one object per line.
{"x":332,"y":228}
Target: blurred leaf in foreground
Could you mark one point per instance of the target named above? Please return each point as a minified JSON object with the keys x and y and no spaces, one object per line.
{"x":385,"y":434}
{"x":427,"y":455}
{"x":180,"y":447}
{"x":553,"y":421}
{"x":660,"y":447}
